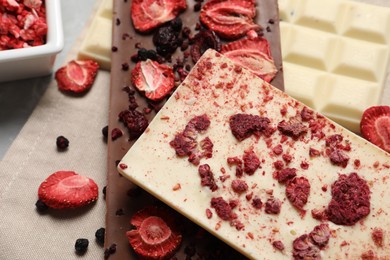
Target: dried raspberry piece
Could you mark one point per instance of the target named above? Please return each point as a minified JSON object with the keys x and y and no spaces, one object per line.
{"x":77,"y":76}
{"x":150,"y":14}
{"x":307,"y":114}
{"x":203,"y":41}
{"x":239,"y":186}
{"x":297,"y":191}
{"x":273,"y":206}
{"x":257,"y":203}
{"x":154,"y":79}
{"x":303,"y":248}
{"x":251,"y":162}
{"x":223,"y":209}
{"x":285,"y":174}
{"x":320,"y":235}
{"x":230,"y":19}
{"x":377,"y":236}
{"x":375,"y":126}
{"x":278,"y":245}
{"x":155,"y":234}
{"x":253,"y":54}
{"x":207,"y":177}
{"x":244,"y":125}
{"x":67,"y":189}
{"x":135,"y":122}
{"x":339,"y":158}
{"x":350,"y":200}
{"x":293,"y":128}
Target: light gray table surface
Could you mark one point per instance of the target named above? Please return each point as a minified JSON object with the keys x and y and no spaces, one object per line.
{"x":19,"y":98}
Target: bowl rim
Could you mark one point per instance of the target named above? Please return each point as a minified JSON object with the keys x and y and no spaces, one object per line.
{"x":55,"y":38}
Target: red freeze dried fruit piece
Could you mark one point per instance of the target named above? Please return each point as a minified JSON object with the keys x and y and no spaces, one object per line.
{"x":77,"y":76}
{"x":253,"y":54}
{"x":278,"y":245}
{"x":273,"y":206}
{"x":185,"y":143}
{"x":293,"y":128}
{"x":244,"y":125}
{"x":350,"y":200}
{"x":230,"y":19}
{"x":251,"y":162}
{"x":135,"y":122}
{"x":284,"y":175}
{"x":338,"y":157}
{"x":377,"y":236}
{"x":150,"y":14}
{"x":375,"y":126}
{"x":154,"y":79}
{"x":155,"y":234}
{"x":320,"y":235}
{"x":67,"y":189}
{"x":303,"y":248}
{"x":297,"y":191}
{"x":223,"y":209}
{"x":207,"y":177}
{"x":203,"y":41}
{"x":239,"y":186}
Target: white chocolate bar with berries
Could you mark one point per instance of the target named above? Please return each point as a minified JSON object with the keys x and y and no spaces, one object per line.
{"x":261,"y":171}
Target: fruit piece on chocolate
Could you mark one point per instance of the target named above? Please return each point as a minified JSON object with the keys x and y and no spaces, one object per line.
{"x":243,"y":113}
{"x":154,"y":79}
{"x":375,"y":126}
{"x":155,"y":234}
{"x":254,"y":54}
{"x":77,"y":76}
{"x":202,"y":41}
{"x":229,"y":19}
{"x":150,"y":14}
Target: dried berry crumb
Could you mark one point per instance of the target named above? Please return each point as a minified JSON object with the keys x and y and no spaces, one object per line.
{"x":109,"y":251}
{"x":41,"y":206}
{"x":99,"y":235}
{"x":81,"y":245}
{"x":116,"y":133}
{"x":62,"y":142}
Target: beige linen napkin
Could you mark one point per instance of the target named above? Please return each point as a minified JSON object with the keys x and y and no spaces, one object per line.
{"x":26,"y":234}
{"x":33,"y":156}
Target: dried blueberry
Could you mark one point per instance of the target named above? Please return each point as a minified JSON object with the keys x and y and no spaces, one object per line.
{"x":144,"y":54}
{"x":176,"y":24}
{"x":202,"y":41}
{"x":62,"y":142}
{"x":81,"y":245}
{"x":99,"y":235}
{"x":166,"y":40}
{"x":105,"y":132}
{"x":41,"y":206}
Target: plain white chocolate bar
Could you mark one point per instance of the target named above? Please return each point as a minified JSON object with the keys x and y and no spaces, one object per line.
{"x":190,"y":154}
{"x":335,"y":56}
{"x":97,"y":43}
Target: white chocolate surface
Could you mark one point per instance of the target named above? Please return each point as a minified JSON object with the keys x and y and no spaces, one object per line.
{"x":97,"y":42}
{"x":153,"y":165}
{"x":334,"y":43}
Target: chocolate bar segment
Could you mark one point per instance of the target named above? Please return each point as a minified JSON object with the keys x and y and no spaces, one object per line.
{"x":122,"y":197}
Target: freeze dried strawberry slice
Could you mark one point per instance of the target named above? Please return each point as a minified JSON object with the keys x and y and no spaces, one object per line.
{"x":156,"y":80}
{"x":77,"y":76}
{"x":150,"y":14}
{"x":254,"y":54}
{"x":230,"y":19}
{"x":155,"y":234}
{"x":67,"y":189}
{"x":375,"y":126}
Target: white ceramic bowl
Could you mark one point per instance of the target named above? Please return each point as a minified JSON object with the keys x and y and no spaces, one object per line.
{"x":38,"y":60}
